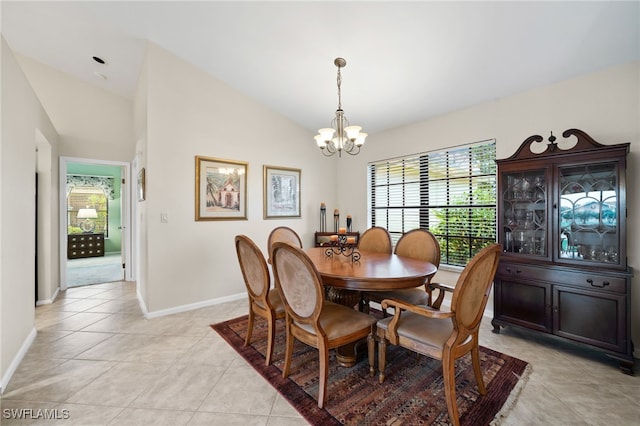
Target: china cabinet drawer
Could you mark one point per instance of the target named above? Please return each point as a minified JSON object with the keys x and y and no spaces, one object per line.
{"x":591,"y":281}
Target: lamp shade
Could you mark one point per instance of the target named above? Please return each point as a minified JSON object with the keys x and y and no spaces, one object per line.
{"x":87,"y":214}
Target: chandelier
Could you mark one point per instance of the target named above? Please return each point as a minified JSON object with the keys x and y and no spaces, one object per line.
{"x":340,"y":136}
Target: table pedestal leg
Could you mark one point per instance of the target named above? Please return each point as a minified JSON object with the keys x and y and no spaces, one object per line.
{"x":346,"y":355}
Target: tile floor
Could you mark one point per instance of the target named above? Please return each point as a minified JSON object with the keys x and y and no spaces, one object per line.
{"x":99,"y":359}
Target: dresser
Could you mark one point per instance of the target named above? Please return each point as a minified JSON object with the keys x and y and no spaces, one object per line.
{"x":85,"y":245}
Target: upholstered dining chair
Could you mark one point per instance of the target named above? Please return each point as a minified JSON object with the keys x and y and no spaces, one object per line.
{"x":285,"y":234}
{"x":418,"y":244}
{"x":264,"y":301}
{"x":309,"y":318}
{"x":375,"y":239}
{"x":444,"y":335}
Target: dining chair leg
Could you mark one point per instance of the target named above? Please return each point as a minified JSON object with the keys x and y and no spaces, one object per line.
{"x":247,"y":340}
{"x":382,"y":358}
{"x":449,"y":376}
{"x":475,"y":359}
{"x":371,"y":346}
{"x":271,"y":323}
{"x":323,"y":354}
{"x":288,"y":352}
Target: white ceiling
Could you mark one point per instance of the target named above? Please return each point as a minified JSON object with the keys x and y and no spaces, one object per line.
{"x":406,"y":61}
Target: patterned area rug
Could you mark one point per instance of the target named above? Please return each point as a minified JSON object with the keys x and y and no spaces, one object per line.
{"x":412,"y":394}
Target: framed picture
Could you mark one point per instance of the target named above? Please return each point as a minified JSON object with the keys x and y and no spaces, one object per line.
{"x":141,"y":184}
{"x":221,"y":189}
{"x":281,"y":192}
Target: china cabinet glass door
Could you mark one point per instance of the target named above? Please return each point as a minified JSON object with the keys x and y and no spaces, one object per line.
{"x":524,"y":207}
{"x":589,"y":220}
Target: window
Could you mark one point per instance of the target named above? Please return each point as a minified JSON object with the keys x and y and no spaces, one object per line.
{"x":452,"y":193}
{"x":82,"y":197}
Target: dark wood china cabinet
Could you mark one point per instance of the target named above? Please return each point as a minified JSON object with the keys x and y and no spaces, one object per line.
{"x":562,"y":225}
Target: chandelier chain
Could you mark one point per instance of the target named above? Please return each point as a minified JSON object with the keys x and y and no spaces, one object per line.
{"x":339,"y":81}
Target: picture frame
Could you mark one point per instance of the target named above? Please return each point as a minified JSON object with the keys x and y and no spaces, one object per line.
{"x":141,"y":184}
{"x":281,"y":192}
{"x":221,"y":189}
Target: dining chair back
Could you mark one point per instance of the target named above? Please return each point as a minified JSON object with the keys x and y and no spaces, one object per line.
{"x":264,"y":301}
{"x":417,"y":244}
{"x":445,"y":335}
{"x":284,"y":234}
{"x":375,"y":239}
{"x":310,"y":318}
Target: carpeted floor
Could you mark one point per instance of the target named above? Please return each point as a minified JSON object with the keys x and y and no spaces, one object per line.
{"x":412,"y":393}
{"x":95,"y":270}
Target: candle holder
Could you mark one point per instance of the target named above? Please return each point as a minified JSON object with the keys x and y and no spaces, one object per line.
{"x":343,"y":245}
{"x":323,"y":218}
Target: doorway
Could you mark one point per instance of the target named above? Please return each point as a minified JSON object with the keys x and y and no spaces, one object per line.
{"x":94,"y":222}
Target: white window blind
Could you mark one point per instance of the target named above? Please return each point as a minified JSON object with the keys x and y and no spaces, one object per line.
{"x":452,"y":193}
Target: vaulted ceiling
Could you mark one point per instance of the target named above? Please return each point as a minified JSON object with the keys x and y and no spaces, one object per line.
{"x":406,"y":61}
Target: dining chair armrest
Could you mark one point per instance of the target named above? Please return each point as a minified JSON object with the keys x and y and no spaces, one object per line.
{"x":423,"y":310}
{"x":442,"y":289}
{"x":399,"y":306}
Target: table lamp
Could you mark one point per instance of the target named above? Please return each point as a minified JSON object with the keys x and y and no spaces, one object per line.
{"x":88,"y":225}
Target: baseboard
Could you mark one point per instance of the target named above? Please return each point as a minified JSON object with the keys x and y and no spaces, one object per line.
{"x":17,"y":360}
{"x":143,"y":306}
{"x":193,"y":306}
{"x":49,"y":301}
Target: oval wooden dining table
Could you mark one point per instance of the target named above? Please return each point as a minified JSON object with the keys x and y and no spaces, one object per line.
{"x":372,"y":272}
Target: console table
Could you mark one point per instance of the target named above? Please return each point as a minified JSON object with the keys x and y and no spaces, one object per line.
{"x":85,"y":245}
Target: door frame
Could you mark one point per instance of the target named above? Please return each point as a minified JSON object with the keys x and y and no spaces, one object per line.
{"x":125,"y":222}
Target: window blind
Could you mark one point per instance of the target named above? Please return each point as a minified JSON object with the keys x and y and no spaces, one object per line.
{"x":451,"y":192}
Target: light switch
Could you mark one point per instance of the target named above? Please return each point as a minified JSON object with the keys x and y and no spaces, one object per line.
{"x":164,"y":217}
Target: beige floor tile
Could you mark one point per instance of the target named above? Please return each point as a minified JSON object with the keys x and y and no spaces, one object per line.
{"x":139,"y":417}
{"x":80,"y":305}
{"x":88,"y":415}
{"x":181,"y":387}
{"x":47,"y":320}
{"x":282,"y":408}
{"x":119,"y":386}
{"x":119,"y":323}
{"x":237,"y":386}
{"x":211,"y":350}
{"x":68,"y":346}
{"x":57,"y":384}
{"x":118,"y":306}
{"x":83,"y":292}
{"x":286,"y":421}
{"x":76,"y":321}
{"x":227,"y":419}
{"x":600,"y":404}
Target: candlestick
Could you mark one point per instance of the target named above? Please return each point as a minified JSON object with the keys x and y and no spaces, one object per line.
{"x":323,"y":218}
{"x":348,"y":223}
{"x":336,"y":220}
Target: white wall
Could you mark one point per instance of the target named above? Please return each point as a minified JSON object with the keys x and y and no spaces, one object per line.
{"x":190,"y":113}
{"x":22,"y":117}
{"x":93,"y":123}
{"x":605,"y":104}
